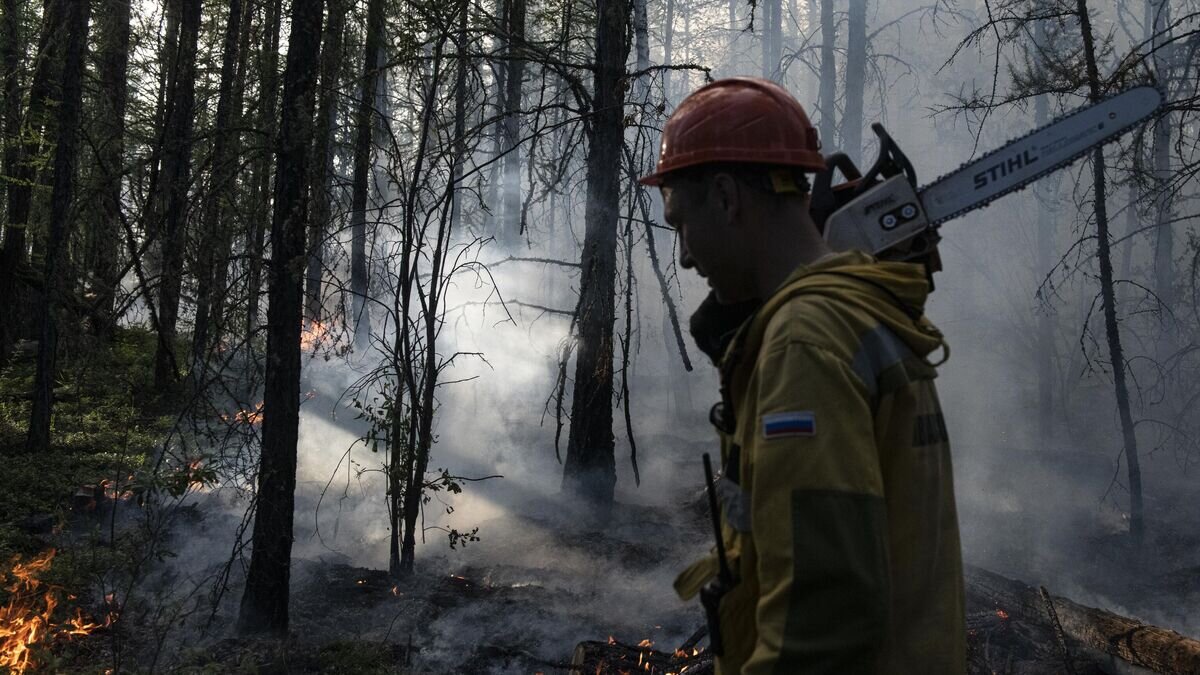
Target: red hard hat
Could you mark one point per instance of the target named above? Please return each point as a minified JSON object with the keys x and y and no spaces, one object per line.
{"x":739,"y":119}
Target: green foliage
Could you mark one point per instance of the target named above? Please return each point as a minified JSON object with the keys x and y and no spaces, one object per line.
{"x":107,"y":423}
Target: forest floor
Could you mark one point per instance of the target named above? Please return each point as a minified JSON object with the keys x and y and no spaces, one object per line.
{"x":542,"y":580}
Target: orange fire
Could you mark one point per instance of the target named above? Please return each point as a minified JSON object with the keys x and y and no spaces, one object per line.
{"x":27,"y":620}
{"x":1002,"y":614}
{"x":313,"y":335}
{"x":249,"y":417}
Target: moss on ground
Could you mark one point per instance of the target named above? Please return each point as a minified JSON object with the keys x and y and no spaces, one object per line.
{"x":107,"y":422}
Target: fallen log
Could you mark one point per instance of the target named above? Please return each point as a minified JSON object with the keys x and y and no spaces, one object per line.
{"x":1011,"y":628}
{"x":616,"y":658}
{"x":1078,"y":636}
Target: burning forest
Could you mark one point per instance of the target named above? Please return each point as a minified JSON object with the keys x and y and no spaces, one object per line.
{"x":599,"y":337}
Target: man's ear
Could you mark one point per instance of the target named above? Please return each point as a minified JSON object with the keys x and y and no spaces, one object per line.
{"x":726,"y":196}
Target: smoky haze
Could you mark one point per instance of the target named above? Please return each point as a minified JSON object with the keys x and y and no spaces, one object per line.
{"x":1042,"y":492}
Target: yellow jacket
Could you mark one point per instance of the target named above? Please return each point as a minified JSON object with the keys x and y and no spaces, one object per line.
{"x":837,"y":497}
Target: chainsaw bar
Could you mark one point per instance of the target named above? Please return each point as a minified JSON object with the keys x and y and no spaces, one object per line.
{"x":1024,"y":160}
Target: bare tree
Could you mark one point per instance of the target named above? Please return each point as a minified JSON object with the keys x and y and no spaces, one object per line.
{"x":590,"y":471}
{"x":264,"y":607}
{"x":55,"y":285}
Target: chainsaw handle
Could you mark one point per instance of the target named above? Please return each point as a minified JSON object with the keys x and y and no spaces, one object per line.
{"x":890,"y":162}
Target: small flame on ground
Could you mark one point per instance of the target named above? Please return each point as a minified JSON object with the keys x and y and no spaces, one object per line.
{"x":250,"y":417}
{"x":1002,"y":614}
{"x":27,"y":619}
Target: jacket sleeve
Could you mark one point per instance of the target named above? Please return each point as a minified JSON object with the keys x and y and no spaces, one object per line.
{"x":818,"y":518}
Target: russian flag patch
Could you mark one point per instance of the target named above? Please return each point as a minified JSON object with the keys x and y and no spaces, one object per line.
{"x":784,"y":424}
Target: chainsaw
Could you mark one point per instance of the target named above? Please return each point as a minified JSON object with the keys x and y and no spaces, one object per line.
{"x":884,"y":213}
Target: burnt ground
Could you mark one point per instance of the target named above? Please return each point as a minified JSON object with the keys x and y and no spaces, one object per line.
{"x":517,"y":602}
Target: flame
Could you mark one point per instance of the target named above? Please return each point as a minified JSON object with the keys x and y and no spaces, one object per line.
{"x":110,"y":490}
{"x":249,"y":417}
{"x":313,"y":335}
{"x":1002,"y":614}
{"x":27,"y":620}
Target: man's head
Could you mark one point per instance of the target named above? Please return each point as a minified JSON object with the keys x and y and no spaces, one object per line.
{"x":730,"y":216}
{"x":731,"y":169}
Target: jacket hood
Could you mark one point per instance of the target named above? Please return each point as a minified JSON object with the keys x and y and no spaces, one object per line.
{"x":893,"y":292}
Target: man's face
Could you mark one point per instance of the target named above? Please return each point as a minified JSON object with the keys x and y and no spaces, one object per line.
{"x":710,"y":239}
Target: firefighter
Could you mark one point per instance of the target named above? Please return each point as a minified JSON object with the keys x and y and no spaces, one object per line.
{"x":837,"y":502}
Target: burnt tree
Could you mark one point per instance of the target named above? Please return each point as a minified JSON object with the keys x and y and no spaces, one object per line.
{"x":590,"y":470}
{"x":264,"y":607}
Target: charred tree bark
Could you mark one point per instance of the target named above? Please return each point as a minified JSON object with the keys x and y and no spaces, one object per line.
{"x":175,"y":179}
{"x":1090,"y":632}
{"x":268,"y":124}
{"x":856,"y":80}
{"x":61,"y":198}
{"x":827,"y":103}
{"x":21,"y":159}
{"x":590,"y":470}
{"x":220,"y":190}
{"x":1111,"y":329}
{"x":112,"y":62}
{"x":363,"y":119}
{"x":264,"y":607}
{"x":323,"y":178}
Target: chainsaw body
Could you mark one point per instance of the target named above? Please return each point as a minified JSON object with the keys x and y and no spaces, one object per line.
{"x":878,"y":213}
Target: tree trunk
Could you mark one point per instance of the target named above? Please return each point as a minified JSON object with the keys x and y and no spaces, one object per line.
{"x":264,"y":607}
{"x":268,"y":120}
{"x":21,"y":159}
{"x":359,"y":282}
{"x":641,"y":41}
{"x":1164,"y":244}
{"x":226,"y":230}
{"x":827,"y":103}
{"x":856,"y":80}
{"x":668,"y":48}
{"x":54,"y":283}
{"x":220,"y":191}
{"x":323,"y":177}
{"x":111,"y":65}
{"x":420,"y":389}
{"x":461,"y":96}
{"x":1112,"y":331}
{"x":514,"y":81}
{"x":175,"y":179}
{"x":590,"y":471}
{"x":772,"y":38}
